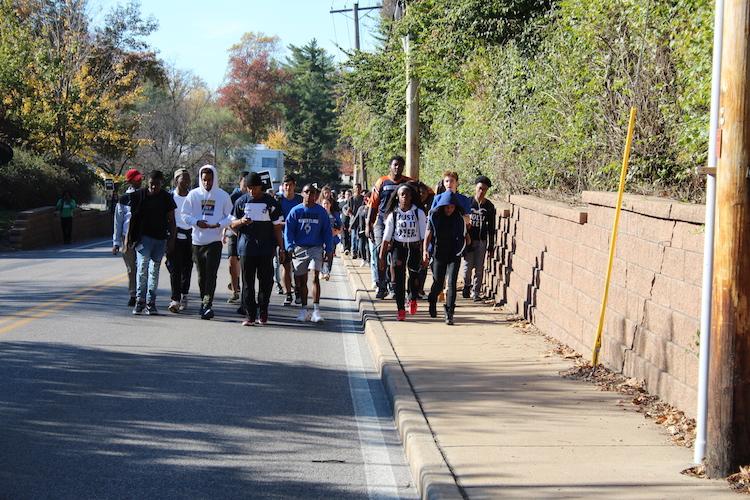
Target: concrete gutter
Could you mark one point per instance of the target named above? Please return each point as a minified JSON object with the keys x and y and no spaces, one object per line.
{"x":432,"y":474}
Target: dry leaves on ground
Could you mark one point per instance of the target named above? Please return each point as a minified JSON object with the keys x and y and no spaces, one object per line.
{"x":680,"y":428}
{"x":740,"y":481}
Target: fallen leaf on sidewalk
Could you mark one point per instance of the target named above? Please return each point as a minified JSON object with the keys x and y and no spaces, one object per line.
{"x":740,"y":481}
{"x":695,"y":471}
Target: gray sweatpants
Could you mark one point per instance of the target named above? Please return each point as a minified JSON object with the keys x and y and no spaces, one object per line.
{"x":473,"y":262}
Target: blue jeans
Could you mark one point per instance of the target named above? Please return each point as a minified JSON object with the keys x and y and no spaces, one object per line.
{"x":374,"y":262}
{"x":149,"y":253}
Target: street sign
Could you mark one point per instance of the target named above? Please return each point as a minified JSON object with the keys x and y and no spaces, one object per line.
{"x":109,"y":184}
{"x":265,"y":177}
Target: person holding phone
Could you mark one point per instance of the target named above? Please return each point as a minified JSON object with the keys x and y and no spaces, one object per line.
{"x":208,"y":210}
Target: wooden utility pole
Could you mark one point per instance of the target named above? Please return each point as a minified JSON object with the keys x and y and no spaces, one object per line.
{"x":359,"y":170}
{"x":412,"y":102}
{"x":728,"y":443}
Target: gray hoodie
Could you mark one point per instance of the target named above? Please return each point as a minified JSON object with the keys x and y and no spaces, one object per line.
{"x":213,"y":206}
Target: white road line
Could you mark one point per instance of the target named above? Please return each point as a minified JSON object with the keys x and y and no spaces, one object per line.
{"x":82,"y":247}
{"x":381,"y":483}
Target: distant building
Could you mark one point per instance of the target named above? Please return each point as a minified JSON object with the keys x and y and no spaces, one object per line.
{"x":259,"y":158}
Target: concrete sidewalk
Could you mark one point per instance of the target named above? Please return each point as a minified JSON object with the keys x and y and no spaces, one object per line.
{"x":483,"y":413}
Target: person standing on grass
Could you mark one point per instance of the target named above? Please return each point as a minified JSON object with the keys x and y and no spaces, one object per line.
{"x":307,"y":235}
{"x":257,"y":218}
{"x":288,"y":200}
{"x":482,"y":233}
{"x":180,"y":260}
{"x":230,"y":239}
{"x":207,"y":209}
{"x":65,"y":206}
{"x":381,"y":191}
{"x":152,"y":233}
{"x":405,"y":227}
{"x":122,"y":222}
{"x":445,"y":241}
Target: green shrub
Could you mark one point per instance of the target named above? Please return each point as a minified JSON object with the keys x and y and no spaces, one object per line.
{"x":30,"y":181}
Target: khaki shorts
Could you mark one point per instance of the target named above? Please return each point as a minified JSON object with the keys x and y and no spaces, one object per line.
{"x":305,"y":258}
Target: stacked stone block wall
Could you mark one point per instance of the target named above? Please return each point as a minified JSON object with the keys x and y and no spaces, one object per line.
{"x":549,"y":267}
{"x":40,"y":227}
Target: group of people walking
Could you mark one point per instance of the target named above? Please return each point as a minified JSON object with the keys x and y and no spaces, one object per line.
{"x":189,"y":226}
{"x":410,"y":227}
{"x":401,"y":228}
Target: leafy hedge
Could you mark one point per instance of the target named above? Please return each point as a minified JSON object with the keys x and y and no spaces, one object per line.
{"x":536,"y":93}
{"x":30,"y":181}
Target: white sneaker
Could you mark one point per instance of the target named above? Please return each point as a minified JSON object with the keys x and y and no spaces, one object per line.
{"x":302,"y":316}
{"x":174,"y":306}
{"x":184,"y":302}
{"x":316,"y":317}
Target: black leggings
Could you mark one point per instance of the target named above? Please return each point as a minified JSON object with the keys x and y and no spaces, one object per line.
{"x":441,"y":270}
{"x":67,"y":228}
{"x":405,"y":257}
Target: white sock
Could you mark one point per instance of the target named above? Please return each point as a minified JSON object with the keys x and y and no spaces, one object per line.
{"x":316,"y":307}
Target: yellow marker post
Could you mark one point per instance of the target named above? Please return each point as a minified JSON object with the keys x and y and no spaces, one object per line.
{"x":613,"y":239}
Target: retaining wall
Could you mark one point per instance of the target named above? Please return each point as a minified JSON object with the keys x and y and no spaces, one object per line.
{"x":550,"y":264}
{"x":40,"y":227}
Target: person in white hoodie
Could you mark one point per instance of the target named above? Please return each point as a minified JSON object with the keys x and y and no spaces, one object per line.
{"x":208,"y":210}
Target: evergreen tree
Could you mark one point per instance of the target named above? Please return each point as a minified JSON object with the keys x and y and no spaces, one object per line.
{"x":310,"y":114}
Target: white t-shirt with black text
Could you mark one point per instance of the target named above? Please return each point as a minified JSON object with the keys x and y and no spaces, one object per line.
{"x":405,"y":227}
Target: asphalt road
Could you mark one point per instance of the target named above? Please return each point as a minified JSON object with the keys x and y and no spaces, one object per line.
{"x":97,"y":403}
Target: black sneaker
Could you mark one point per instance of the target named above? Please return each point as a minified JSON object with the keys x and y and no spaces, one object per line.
{"x":466,"y":293}
{"x":288,"y":300}
{"x":280,"y":291}
{"x":139,"y":307}
{"x":151,"y":310}
{"x":131,"y":302}
{"x":478,"y":298}
{"x":208,"y":313}
{"x":298,"y":300}
{"x":381,"y":294}
{"x":448,"y":321}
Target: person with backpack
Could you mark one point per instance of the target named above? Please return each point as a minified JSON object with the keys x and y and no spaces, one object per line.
{"x":444,"y":241}
{"x":405,"y":227}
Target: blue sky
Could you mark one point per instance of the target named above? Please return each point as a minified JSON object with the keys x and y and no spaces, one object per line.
{"x":195,"y":34}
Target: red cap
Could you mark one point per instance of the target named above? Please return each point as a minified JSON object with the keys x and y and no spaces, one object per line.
{"x":133,"y":175}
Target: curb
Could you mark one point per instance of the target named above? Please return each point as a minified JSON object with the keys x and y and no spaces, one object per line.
{"x":431,"y":473}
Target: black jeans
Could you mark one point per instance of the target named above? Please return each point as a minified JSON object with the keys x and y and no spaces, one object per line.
{"x":262,"y":267}
{"x":180,"y":266}
{"x":405,"y":258}
{"x":67,"y":228}
{"x":441,"y":270}
{"x":207,"y":259}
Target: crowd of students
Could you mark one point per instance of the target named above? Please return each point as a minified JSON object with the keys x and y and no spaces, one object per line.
{"x":400,"y":228}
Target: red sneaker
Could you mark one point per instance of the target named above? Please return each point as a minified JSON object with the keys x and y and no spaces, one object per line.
{"x":412,"y":307}
{"x":401,"y":315}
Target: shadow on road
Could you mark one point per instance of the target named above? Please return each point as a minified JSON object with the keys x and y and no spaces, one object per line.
{"x":87,"y":423}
